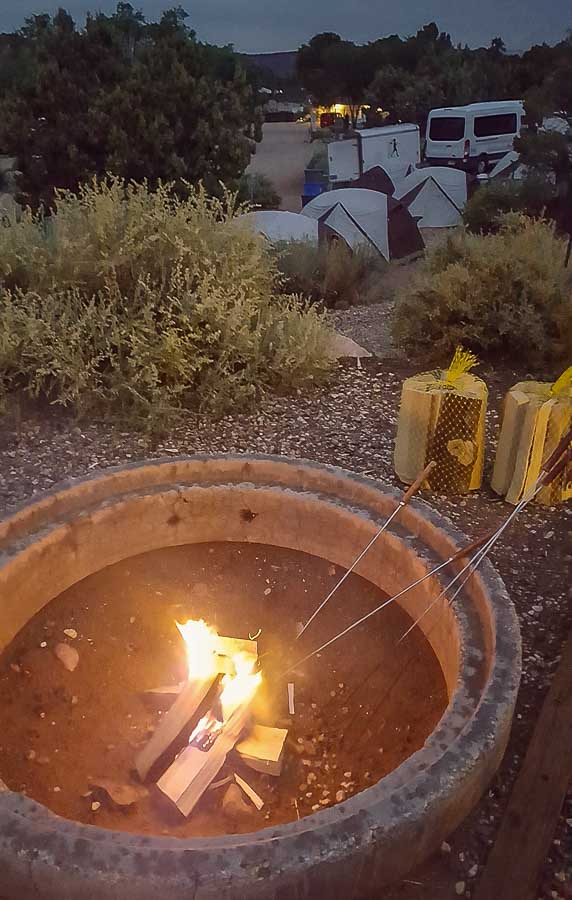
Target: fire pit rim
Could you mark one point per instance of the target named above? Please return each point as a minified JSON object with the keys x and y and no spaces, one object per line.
{"x":478,"y":739}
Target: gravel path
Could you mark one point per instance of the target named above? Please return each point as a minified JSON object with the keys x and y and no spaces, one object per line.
{"x":352,"y":424}
{"x":282,"y":156}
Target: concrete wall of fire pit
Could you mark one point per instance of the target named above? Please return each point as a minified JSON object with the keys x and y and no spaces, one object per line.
{"x":348,"y":850}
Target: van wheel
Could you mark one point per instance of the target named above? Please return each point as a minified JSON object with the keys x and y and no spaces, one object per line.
{"x":482,"y":165}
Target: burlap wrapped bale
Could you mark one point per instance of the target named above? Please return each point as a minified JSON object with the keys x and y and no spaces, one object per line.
{"x":445,"y":422}
{"x":535,"y":417}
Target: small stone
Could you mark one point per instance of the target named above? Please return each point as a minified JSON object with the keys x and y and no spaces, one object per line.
{"x":132,"y":620}
{"x":16,"y":668}
{"x":332,"y":693}
{"x":331,"y":571}
{"x":44,"y":644}
{"x":445,"y":847}
{"x":234,"y":806}
{"x":315,"y":807}
{"x":68,"y":656}
{"x":95,"y":806}
{"x":57,"y":790}
{"x":347,"y":774}
{"x":311,"y":777}
{"x":267,"y":591}
{"x":74,"y":700}
{"x":340,"y":796}
{"x":30,"y":755}
{"x":473,"y":871}
{"x":71,"y":633}
{"x":460,"y":888}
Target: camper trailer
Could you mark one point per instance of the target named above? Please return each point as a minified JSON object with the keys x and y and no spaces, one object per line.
{"x":473,"y":137}
{"x":396,"y":148}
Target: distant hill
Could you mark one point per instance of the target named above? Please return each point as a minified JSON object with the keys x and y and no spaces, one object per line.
{"x":282,"y":65}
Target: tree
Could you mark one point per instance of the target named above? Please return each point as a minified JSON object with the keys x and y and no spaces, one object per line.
{"x":121,"y":96}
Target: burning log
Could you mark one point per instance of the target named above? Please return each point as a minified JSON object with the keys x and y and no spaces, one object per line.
{"x":208,"y":656}
{"x":177,"y":719}
{"x":263,"y":749}
{"x":186,"y":780}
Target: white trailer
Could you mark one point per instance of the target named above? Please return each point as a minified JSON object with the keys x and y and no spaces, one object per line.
{"x":395,"y":148}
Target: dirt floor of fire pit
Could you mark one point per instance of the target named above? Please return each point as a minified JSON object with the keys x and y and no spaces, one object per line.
{"x":62,"y":731}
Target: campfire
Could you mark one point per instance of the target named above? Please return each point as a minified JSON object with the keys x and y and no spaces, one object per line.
{"x":214,"y":705}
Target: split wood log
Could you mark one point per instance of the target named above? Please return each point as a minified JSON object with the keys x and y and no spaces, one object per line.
{"x":263,"y":749}
{"x":186,"y":780}
{"x":183,"y":710}
{"x":250,"y":792}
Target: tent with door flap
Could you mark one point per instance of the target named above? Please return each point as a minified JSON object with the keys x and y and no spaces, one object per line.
{"x":435,"y":196}
{"x":279,"y":226}
{"x":365,"y":218}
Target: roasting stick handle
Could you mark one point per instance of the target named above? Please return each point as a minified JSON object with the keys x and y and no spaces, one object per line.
{"x":402,"y":503}
{"x":417,"y":484}
{"x":560,"y":449}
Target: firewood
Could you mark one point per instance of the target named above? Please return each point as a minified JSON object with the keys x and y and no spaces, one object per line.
{"x":186,"y":780}
{"x":263,"y":749}
{"x":249,"y":791}
{"x":183,"y":710}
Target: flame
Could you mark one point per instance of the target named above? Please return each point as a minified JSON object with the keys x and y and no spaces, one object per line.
{"x":200,"y":643}
{"x":241,"y":687}
{"x":208,"y":724}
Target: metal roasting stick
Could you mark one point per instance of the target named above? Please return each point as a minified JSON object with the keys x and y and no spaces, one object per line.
{"x":551,"y":471}
{"x":552,"y":468}
{"x":459,"y":555}
{"x":402,"y":503}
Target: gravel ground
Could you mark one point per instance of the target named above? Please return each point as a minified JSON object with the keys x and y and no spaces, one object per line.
{"x":282,"y":156}
{"x":352,"y":424}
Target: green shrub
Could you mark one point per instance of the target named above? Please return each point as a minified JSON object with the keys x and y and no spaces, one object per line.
{"x":319,"y":159}
{"x":259,"y":191}
{"x":501,"y":295}
{"x":136,"y":305}
{"x":530,"y":196}
{"x":332,"y":274}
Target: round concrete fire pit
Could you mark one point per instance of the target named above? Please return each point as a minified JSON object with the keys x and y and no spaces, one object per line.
{"x":349,"y":849}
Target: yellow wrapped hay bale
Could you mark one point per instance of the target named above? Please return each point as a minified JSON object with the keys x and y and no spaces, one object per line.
{"x":442,"y":418}
{"x":535,"y":417}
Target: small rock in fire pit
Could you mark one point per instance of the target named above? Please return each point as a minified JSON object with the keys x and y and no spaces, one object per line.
{"x":71,"y":633}
{"x":120,"y":794}
{"x":68,"y":656}
{"x":234,"y":806}
{"x":30,"y":755}
{"x":95,"y":806}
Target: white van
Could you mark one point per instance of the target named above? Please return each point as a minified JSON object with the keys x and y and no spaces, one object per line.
{"x":473,"y":137}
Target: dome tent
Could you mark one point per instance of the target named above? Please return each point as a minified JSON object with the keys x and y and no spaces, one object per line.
{"x":364,"y":217}
{"x":279,"y":226}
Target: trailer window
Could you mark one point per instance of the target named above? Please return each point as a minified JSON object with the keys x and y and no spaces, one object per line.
{"x":488,"y":126}
{"x":447,"y":128}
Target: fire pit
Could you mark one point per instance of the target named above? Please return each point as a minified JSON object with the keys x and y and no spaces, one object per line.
{"x":389,"y":746}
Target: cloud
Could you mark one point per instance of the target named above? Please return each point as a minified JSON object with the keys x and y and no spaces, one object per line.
{"x":263,"y":25}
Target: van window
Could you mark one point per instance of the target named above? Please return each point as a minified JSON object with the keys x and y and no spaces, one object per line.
{"x":487,"y":126}
{"x":447,"y":128}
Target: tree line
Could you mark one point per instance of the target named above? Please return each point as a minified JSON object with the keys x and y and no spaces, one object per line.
{"x":406,"y":78}
{"x":141,"y":100}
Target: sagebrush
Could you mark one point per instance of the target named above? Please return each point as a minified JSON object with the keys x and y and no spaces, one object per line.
{"x":137,"y":304}
{"x":532,"y":196}
{"x":504,"y":295}
{"x":332,"y":274}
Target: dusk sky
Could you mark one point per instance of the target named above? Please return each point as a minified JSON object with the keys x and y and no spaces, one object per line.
{"x":260,"y":25}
